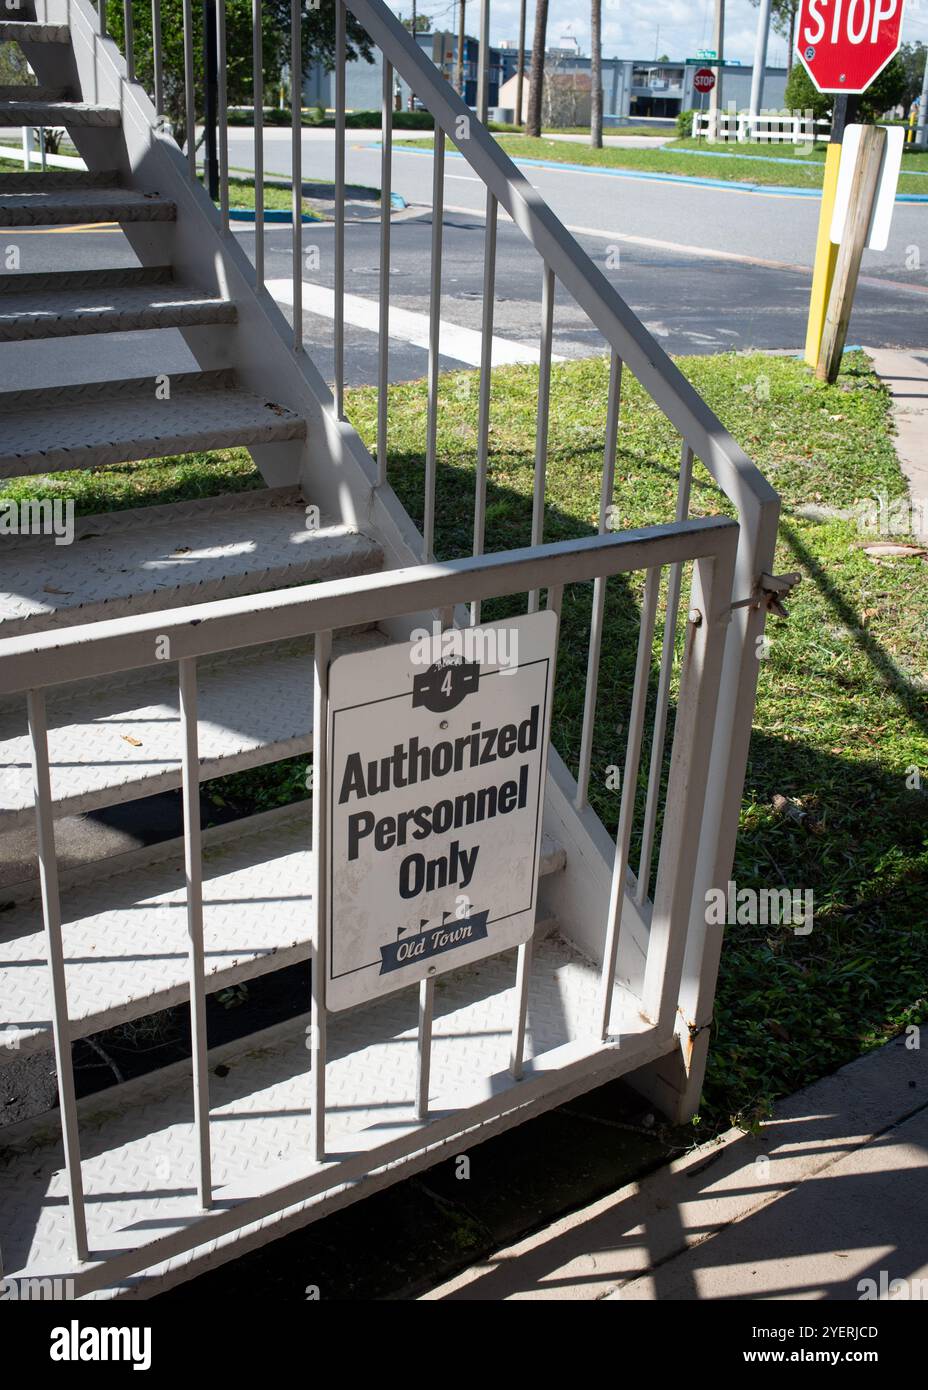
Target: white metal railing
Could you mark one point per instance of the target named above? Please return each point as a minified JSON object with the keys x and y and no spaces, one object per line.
{"x":766,"y":128}
{"x":30,"y":664}
{"x":679,"y":989}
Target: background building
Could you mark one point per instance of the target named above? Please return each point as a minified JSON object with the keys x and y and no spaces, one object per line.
{"x":632,"y":88}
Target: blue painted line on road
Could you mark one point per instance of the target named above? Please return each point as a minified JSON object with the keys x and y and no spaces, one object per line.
{"x":270,"y":215}
{"x":775,"y":189}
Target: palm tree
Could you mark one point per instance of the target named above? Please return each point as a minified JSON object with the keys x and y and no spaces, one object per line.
{"x":596,"y":74}
{"x":536,"y":90}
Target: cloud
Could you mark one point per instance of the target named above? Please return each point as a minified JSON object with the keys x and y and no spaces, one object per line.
{"x":636,"y":28}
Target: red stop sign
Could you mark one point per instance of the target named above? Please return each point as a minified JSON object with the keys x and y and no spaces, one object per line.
{"x":704,"y":80}
{"x":845,"y":44}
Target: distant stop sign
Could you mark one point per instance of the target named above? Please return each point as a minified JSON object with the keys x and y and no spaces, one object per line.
{"x":845,"y":44}
{"x":704,"y":80}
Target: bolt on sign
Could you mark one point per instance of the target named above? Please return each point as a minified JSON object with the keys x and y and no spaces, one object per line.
{"x":435,"y":791}
{"x":845,"y":44}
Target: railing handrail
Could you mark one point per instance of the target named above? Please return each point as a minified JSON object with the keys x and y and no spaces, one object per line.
{"x":36,"y":660}
{"x":733,"y":470}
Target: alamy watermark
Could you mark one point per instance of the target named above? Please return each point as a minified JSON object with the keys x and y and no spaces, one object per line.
{"x":37,"y":1290}
{"x":39,"y":516}
{"x":765,"y":907}
{"x":881,"y":516}
{"x":485,"y":646}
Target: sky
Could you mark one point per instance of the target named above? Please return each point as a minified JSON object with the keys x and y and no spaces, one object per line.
{"x":639,"y":28}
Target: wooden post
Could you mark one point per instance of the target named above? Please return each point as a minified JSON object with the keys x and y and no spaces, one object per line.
{"x":844,"y":285}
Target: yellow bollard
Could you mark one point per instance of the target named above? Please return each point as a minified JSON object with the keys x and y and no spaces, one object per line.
{"x":826,"y":254}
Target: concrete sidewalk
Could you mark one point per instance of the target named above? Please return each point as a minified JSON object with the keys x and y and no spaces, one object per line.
{"x":906,"y":376}
{"x":832,"y":1193}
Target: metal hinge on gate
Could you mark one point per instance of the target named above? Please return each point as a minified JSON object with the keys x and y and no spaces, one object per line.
{"x":770,"y":591}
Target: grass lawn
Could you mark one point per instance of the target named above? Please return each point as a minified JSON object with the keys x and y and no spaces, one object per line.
{"x":916,"y":162}
{"x":667,"y":161}
{"x":842,"y":713}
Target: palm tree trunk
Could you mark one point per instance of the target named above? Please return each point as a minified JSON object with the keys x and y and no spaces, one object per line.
{"x":596,"y":75}
{"x":536,"y":90}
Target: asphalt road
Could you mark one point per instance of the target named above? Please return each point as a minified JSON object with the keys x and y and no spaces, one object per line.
{"x":763,"y":226}
{"x":692,"y":304}
{"x":706,"y":269}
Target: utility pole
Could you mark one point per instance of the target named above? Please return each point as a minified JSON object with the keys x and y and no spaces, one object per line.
{"x":921,"y":131}
{"x":760,"y":63}
{"x":715,"y":96}
{"x":596,"y":74}
{"x":483,"y":62}
{"x":520,"y":67}
{"x":537,"y":87}
{"x":415,"y":31}
{"x":211,"y":102}
{"x":462,"y":39}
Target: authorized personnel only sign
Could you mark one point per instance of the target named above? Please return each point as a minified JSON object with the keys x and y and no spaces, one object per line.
{"x":437,"y":755}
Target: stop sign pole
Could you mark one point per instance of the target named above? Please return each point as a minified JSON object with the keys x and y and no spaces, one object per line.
{"x":843,"y":46}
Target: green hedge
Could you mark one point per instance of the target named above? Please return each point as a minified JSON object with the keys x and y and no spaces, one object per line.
{"x":354,"y":120}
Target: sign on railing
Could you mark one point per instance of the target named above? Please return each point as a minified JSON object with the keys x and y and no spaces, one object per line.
{"x":437,"y":765}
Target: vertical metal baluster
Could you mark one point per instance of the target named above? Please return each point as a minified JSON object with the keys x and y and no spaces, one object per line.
{"x":629,"y":788}
{"x":223,"y":115}
{"x":257,"y":62}
{"x":190,"y":107}
{"x":544,"y":407}
{"x":340,"y":99}
{"x":157,"y":60}
{"x":101,"y":14}
{"x":526,"y":949}
{"x":322,"y":656}
{"x":424,"y":1047}
{"x":296,"y":164}
{"x":599,"y":585}
{"x":130,"y":39}
{"x":383,"y":360}
{"x":193,"y":871}
{"x":42,"y":152}
{"x":523,"y":972}
{"x":663,"y":687}
{"x":486,"y":387}
{"x":54,"y":946}
{"x":431,"y":443}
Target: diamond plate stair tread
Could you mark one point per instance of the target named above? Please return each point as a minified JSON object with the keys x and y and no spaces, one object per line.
{"x":254,"y":707}
{"x":58,"y":113}
{"x":165,"y":557}
{"x":125,"y":937}
{"x":102,"y":423}
{"x":25,"y":31}
{"x":64,"y":206}
{"x":139,"y":1154}
{"x":98,"y":308}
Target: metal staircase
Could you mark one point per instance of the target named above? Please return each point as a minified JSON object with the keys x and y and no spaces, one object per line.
{"x":147,"y":1183}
